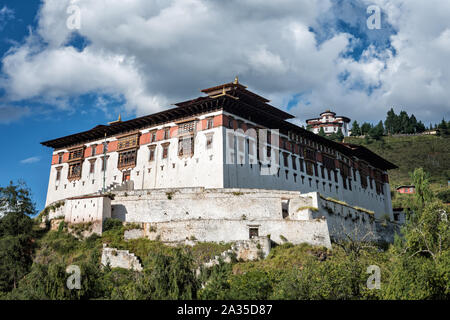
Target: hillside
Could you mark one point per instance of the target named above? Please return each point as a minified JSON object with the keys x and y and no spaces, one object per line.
{"x":409,"y":152}
{"x":289,"y":272}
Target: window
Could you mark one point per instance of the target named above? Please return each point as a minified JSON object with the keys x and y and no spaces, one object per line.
{"x":128,"y":142}
{"x":310,"y":154}
{"x":209,"y":123}
{"x":186,"y":146}
{"x":186,"y":127}
{"x":60,"y":158}
{"x":153,"y":136}
{"x":76,"y":154}
{"x":302,"y":168}
{"x":166,"y":133}
{"x":93,"y":147}
{"x":127,"y":159}
{"x":285,"y":158}
{"x":74,"y":171}
{"x":58,"y":173}
{"x":253,"y":233}
{"x":294,"y":163}
{"x":309,"y":168}
{"x":152,"y":150}
{"x":92,"y":166}
{"x":209,"y":141}
{"x":165,"y":152}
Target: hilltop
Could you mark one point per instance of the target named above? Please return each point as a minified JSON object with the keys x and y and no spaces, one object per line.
{"x":432,"y":153}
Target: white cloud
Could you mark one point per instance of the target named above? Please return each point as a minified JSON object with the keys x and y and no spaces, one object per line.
{"x":6,"y":14}
{"x":30,"y":160}
{"x":158,"y":52}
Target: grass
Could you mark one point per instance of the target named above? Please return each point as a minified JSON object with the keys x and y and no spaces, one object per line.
{"x":432,"y":153}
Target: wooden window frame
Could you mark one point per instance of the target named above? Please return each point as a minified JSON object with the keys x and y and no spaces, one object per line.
{"x":127,"y":159}
{"x":72,"y":174}
{"x":92,"y":165}
{"x":152,"y":153}
{"x":128,"y":142}
{"x":165,"y":150}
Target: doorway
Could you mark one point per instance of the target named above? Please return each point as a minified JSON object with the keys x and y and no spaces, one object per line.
{"x":126,"y":176}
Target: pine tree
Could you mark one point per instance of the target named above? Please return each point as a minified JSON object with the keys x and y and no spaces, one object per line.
{"x":339,"y":135}
{"x":404,"y":122}
{"x":442,"y":128}
{"x":322,"y":132}
{"x":412,"y":126}
{"x":377,"y":131}
{"x":356,"y":130}
{"x":391,"y":121}
{"x":365,"y":128}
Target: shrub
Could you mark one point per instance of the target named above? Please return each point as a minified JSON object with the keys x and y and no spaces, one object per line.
{"x":112,"y":223}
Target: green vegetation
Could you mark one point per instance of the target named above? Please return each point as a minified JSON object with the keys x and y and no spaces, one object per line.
{"x":432,"y":153}
{"x":34,"y":261}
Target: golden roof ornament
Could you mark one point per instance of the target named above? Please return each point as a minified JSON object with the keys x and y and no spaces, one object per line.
{"x":118,"y":120}
{"x":236,"y":80}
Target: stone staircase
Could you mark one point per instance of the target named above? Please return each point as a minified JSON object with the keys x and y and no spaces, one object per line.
{"x":115,"y":186}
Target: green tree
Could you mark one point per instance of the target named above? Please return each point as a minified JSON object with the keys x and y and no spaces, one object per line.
{"x":377,"y":131}
{"x":339,"y":135}
{"x":404,"y":122}
{"x":365,"y":128}
{"x":420,"y":127}
{"x":421,"y":180}
{"x":217,"y":285}
{"x":16,"y":232}
{"x":322,"y":132}
{"x":171,"y":278}
{"x":356,"y":130}
{"x":391,"y":122}
{"x":442,"y":128}
{"x":253,"y":285}
{"x":412,"y":126}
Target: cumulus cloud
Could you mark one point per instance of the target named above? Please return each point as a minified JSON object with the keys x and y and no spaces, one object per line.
{"x":154,"y":53}
{"x":30,"y":160}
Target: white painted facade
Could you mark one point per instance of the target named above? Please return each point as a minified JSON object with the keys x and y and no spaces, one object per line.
{"x":224,"y":188}
{"x":208,"y":168}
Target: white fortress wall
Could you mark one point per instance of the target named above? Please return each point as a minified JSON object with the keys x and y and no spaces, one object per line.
{"x":203,"y":169}
{"x":314,"y":232}
{"x":173,"y":215}
{"x":242,"y":174}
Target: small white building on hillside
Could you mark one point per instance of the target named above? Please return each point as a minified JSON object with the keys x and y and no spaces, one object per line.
{"x":330,"y":123}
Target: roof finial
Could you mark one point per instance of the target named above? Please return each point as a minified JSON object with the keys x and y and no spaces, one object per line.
{"x":236,"y":80}
{"x":120,"y":118}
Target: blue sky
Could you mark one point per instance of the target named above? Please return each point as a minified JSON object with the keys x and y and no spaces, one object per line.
{"x":28,"y":160}
{"x":141,"y":56}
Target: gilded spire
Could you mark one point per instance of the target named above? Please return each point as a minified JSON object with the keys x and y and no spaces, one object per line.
{"x":118,"y":120}
{"x":236,"y":80}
